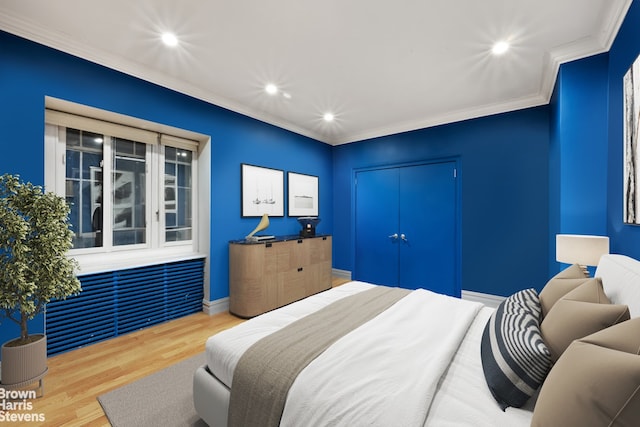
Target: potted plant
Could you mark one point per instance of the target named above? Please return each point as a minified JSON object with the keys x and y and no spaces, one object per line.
{"x":34,"y":269}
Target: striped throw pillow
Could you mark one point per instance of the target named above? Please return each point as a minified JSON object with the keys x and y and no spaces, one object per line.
{"x":514,"y":357}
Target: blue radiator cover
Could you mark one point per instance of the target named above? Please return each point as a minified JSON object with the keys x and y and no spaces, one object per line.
{"x":118,"y":302}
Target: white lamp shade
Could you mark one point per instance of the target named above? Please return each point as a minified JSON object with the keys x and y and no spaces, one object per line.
{"x":581,"y":249}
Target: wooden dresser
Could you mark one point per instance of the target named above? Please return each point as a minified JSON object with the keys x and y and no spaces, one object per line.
{"x":268,"y":275}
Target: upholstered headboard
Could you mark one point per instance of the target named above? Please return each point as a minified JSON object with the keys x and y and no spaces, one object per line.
{"x":620,"y":277}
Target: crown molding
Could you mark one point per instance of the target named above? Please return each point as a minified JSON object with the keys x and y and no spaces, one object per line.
{"x":579,"y":49}
{"x":610,"y":24}
{"x":451,"y":117}
{"x":27,"y":30}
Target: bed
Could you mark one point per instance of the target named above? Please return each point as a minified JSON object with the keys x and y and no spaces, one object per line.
{"x":424,"y":359}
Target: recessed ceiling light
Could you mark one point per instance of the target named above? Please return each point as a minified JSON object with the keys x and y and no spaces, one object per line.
{"x":500,"y":47}
{"x":271,"y":89}
{"x":169,"y":39}
{"x":328,"y":117}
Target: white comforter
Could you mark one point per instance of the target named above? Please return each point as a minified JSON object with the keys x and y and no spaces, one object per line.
{"x":385,"y":372}
{"x":224,"y":349}
{"x":461,"y":399}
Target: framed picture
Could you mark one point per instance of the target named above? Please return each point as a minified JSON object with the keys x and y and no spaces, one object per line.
{"x":303,"y":194}
{"x":262,"y":191}
{"x":631,"y":136}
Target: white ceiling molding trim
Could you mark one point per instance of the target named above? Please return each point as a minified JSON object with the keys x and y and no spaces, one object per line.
{"x":405,"y":63}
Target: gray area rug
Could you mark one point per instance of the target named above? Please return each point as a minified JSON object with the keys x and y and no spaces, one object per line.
{"x":162,"y":399}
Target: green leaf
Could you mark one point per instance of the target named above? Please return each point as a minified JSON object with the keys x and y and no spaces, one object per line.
{"x":35,"y":238}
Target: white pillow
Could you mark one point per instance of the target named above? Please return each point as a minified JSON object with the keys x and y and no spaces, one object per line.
{"x":620,"y":277}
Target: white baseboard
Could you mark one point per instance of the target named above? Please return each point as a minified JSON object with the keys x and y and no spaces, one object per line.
{"x":216,"y":306}
{"x":344,"y":274}
{"x":222,"y":304}
{"x":486,"y":299}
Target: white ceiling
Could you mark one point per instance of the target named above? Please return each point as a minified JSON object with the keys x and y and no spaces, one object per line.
{"x":381,"y":67}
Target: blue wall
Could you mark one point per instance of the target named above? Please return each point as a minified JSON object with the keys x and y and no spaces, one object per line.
{"x":526,"y":175}
{"x":583,"y":153}
{"x":578,"y":154}
{"x":625,"y":239}
{"x":29,"y":72}
{"x":504,"y":173}
{"x":583,"y":167}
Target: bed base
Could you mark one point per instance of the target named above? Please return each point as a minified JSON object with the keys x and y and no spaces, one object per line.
{"x":210,"y":398}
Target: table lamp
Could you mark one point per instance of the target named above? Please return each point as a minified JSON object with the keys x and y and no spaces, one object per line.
{"x":584,"y":250}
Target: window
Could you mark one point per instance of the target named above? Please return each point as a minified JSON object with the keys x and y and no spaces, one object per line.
{"x":83,"y":160}
{"x":177,"y":193}
{"x":128,"y":192}
{"x":129,"y":189}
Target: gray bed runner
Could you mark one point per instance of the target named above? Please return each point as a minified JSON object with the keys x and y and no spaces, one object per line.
{"x":265,"y":372}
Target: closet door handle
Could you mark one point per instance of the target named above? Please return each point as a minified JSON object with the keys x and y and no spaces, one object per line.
{"x":394,"y":236}
{"x":404,"y":238}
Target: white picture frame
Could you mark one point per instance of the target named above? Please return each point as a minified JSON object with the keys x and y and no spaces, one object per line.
{"x":303,"y":195}
{"x":262,"y":191}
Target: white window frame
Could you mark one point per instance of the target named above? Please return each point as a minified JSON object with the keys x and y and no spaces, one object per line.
{"x":175,"y":142}
{"x":61,"y":114}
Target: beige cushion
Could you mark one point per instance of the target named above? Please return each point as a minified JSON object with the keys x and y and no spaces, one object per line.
{"x":589,"y":291}
{"x":579,"y":313}
{"x":624,"y":337}
{"x":559,"y":285}
{"x":571,"y":320}
{"x":596,"y":382}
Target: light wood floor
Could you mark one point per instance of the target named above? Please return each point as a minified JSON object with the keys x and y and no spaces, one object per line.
{"x":76,"y":378}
